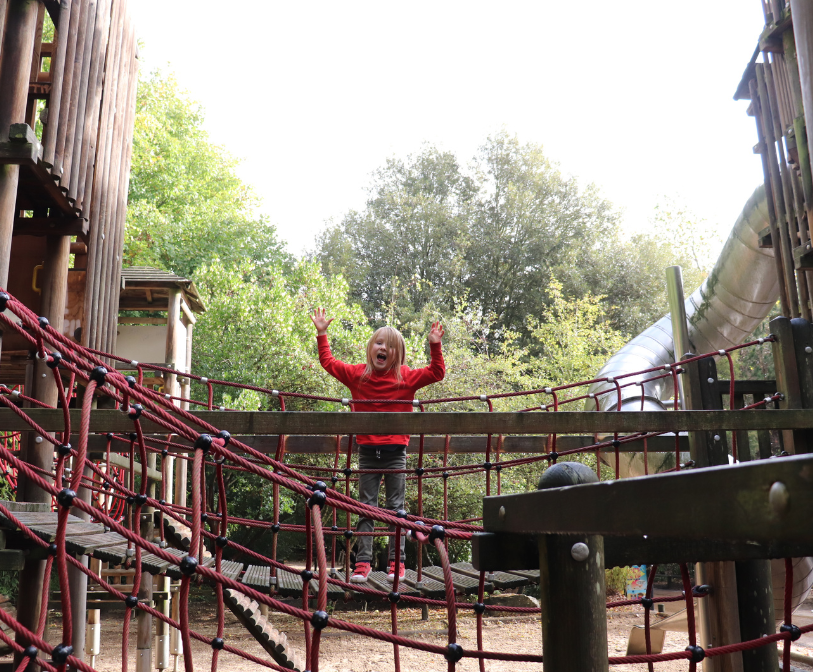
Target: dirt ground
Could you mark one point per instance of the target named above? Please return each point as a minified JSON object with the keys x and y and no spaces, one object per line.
{"x":341,"y":652}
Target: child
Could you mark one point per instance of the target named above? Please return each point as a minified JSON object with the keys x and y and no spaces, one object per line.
{"x":384,"y":376}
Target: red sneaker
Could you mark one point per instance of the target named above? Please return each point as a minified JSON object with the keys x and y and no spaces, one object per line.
{"x":360,"y":573}
{"x":391,"y":571}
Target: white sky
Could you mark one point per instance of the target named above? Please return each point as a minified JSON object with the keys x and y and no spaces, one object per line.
{"x":314,"y":96}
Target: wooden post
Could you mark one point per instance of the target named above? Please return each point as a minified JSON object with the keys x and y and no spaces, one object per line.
{"x":572,"y":592}
{"x":782,"y":244}
{"x":171,"y":380}
{"x":15,"y":70}
{"x":62,"y":37}
{"x":78,"y":586}
{"x":144,"y":620}
{"x":756,"y":614}
{"x":802,"y":13}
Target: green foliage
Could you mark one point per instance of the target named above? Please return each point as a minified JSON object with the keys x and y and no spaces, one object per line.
{"x":615,"y":579}
{"x":186,"y":203}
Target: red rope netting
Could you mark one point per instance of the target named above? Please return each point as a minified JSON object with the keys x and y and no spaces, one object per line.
{"x":115,"y":502}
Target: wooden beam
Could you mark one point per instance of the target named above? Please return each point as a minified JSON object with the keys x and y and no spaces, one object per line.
{"x":765,"y":501}
{"x":433,"y":445}
{"x":502,"y":551}
{"x":50,"y":226}
{"x":440,"y":424}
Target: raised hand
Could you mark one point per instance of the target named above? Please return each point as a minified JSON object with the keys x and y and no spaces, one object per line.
{"x":436,"y":333}
{"x":320,"y":321}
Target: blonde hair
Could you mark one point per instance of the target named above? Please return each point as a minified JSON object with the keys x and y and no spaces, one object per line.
{"x":395,"y":341}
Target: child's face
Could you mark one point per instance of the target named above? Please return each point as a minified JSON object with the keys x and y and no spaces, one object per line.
{"x":383,"y":357}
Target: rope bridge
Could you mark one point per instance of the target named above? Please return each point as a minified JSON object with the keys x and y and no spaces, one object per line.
{"x":117,"y":504}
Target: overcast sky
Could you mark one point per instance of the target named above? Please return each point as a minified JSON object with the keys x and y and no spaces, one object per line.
{"x":314,"y":96}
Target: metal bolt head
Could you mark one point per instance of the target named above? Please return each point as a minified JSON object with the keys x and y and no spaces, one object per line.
{"x":710,"y":381}
{"x":808,"y":349}
{"x":778,"y":497}
{"x":501,"y":513}
{"x":716,"y":437}
{"x":579,"y":552}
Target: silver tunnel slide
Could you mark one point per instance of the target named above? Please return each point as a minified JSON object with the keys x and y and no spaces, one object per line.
{"x":737,"y":295}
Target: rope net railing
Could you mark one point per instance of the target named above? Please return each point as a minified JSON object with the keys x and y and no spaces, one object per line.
{"x":113,"y":496}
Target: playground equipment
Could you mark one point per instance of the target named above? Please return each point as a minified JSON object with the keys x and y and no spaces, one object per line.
{"x":72,"y":180}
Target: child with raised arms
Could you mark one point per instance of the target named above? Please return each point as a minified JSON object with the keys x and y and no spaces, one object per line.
{"x":383,"y":376}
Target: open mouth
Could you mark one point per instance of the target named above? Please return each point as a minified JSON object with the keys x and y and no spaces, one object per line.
{"x":381,"y":357}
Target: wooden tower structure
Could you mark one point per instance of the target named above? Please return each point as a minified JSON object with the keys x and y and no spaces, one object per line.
{"x":68,"y":79}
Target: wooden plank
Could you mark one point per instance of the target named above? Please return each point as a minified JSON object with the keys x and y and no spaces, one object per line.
{"x":257,"y":577}
{"x":462,"y":583}
{"x":76,"y":25}
{"x":50,"y":226}
{"x":728,"y":502}
{"x":293,"y":422}
{"x":289,"y":584}
{"x":231,"y":569}
{"x":492,"y":551}
{"x":308,"y":445}
{"x":428,"y":586}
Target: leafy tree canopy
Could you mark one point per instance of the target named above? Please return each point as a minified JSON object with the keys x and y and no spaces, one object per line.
{"x":186,"y":203}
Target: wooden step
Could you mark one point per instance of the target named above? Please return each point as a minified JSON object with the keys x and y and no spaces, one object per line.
{"x":272,"y":640}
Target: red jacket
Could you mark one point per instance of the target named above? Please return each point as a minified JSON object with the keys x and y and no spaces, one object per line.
{"x":382,"y":386}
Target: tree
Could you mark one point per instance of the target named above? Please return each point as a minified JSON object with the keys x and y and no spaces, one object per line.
{"x":490,"y":236}
{"x":406,"y":248}
{"x":527,"y":218}
{"x":186,"y":203}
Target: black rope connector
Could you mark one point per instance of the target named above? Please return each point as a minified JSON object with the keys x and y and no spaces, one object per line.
{"x":135,"y":411}
{"x":647,"y":602}
{"x":793,"y":629}
{"x":65,"y":497}
{"x":320,"y":485}
{"x":487,"y":466}
{"x":318,"y":498}
{"x":43,"y":322}
{"x":64,"y":449}
{"x":130,"y":601}
{"x":140,"y":499}
{"x":454,"y":652}
{"x":445,"y":475}
{"x":218,"y":643}
{"x":164,"y":452}
{"x":203,"y":442}
{"x":306,"y":575}
{"x":204,"y":517}
{"x":4,"y":299}
{"x":394,"y":597}
{"x":334,"y":479}
{"x":347,"y":471}
{"x":222,"y":542}
{"x":162,"y":502}
{"x":226,"y":436}
{"x":697,"y":653}
{"x":553,"y":456}
{"x":616,"y":443}
{"x":98,"y":375}
{"x":105,"y":486}
{"x":131,"y":381}
{"x":348,"y":534}
{"x":319,"y":619}
{"x":334,"y":528}
{"x":60,"y":654}
{"x":275,"y":528}
{"x":130,"y":499}
{"x":401,"y":513}
{"x":419,"y":471}
{"x":54,"y":361}
{"x":30,"y":651}
{"x":498,"y":468}
{"x":109,"y":436}
{"x":479,"y":608}
{"x":701,"y":590}
{"x":437,"y":532}
{"x":132,"y":436}
{"x":188,"y":565}
{"x":52,"y":549}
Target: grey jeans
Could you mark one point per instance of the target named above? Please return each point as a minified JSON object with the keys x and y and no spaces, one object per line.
{"x":369,"y":487}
